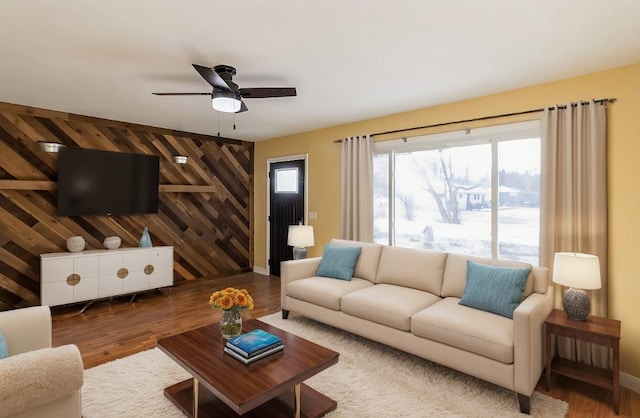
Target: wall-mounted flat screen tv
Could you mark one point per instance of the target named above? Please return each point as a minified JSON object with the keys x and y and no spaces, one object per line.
{"x":94,"y":182}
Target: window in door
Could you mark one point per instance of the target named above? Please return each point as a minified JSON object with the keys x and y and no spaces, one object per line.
{"x":286,"y":180}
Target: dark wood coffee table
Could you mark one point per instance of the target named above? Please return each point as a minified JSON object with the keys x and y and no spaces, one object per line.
{"x":224,"y":387}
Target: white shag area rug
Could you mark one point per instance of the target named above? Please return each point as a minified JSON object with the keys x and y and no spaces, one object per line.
{"x":370,"y":380}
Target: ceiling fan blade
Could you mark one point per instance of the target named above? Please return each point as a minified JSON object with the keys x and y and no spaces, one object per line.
{"x":212,"y":77}
{"x":264,"y":92}
{"x":182,"y":94}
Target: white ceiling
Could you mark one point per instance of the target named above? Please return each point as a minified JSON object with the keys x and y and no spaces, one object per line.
{"x":350,"y":60}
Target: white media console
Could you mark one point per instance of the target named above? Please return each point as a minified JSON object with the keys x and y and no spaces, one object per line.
{"x":95,"y":274}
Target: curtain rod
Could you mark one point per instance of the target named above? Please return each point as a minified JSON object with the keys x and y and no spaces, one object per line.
{"x":524,"y":112}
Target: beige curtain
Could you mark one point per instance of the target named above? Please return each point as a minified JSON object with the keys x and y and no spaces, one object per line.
{"x":573,"y":215}
{"x":356,"y":183}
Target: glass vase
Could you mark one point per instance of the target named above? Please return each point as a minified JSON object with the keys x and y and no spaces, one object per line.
{"x":231,"y":323}
{"x":145,"y":239}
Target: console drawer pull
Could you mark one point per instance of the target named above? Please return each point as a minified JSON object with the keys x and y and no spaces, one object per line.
{"x":73,"y":279}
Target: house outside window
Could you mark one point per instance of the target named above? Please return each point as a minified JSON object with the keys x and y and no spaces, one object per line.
{"x":475,"y":192}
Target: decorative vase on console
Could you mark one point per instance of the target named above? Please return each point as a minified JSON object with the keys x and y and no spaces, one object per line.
{"x":145,"y":239}
{"x":75,"y":244}
{"x":112,"y":243}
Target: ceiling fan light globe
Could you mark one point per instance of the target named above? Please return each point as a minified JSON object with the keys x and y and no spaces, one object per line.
{"x":226,"y":102}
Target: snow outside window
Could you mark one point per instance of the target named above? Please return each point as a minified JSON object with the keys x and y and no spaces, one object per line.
{"x":475,"y":192}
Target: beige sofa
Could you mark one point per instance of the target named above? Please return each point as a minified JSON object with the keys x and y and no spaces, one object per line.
{"x":408,"y":299}
{"x":37,"y":380}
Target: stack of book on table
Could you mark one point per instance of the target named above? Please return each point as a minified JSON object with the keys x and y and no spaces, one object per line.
{"x":253,"y":345}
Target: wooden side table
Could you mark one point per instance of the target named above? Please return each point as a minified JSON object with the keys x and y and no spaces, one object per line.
{"x":596,"y":330}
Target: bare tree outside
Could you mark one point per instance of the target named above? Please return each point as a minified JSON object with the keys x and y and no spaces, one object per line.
{"x":409,"y":205}
{"x":443,"y":181}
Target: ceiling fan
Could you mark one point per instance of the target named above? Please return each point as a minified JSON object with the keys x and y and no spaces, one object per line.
{"x":226,"y":96}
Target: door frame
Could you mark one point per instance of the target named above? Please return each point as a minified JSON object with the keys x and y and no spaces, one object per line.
{"x":274,"y":160}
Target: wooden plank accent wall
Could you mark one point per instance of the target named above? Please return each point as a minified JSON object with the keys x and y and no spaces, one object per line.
{"x":205,"y":206}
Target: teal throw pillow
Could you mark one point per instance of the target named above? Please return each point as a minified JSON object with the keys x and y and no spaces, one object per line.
{"x":494,"y":289}
{"x":4,"y":350}
{"x":338,"y":262}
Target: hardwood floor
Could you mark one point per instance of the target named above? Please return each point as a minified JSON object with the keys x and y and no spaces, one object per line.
{"x":107,"y":331}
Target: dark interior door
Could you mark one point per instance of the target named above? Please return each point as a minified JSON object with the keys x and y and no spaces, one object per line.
{"x":286,"y":193}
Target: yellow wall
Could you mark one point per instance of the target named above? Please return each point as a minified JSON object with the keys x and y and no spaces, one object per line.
{"x":624,"y":174}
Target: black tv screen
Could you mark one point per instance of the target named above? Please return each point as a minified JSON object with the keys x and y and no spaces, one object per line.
{"x":93,"y":182}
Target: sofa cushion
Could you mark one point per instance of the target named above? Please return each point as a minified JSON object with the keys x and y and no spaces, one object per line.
{"x":494,"y":289}
{"x":455,"y":273}
{"x":411,"y":267}
{"x":4,"y":350}
{"x":367,"y":265}
{"x":338,"y":262}
{"x":479,"y":332}
{"x":324,"y":291}
{"x":387,"y":304}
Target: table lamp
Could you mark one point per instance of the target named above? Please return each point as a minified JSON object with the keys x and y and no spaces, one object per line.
{"x":300,"y":236}
{"x":576,"y":271}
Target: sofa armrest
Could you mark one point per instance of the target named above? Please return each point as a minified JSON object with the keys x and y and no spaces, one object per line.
{"x":528,"y":340}
{"x":26,"y":329}
{"x":37,"y":377}
{"x":294,"y":270}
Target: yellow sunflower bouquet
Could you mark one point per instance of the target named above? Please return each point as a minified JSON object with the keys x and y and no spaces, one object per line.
{"x":232,"y":301}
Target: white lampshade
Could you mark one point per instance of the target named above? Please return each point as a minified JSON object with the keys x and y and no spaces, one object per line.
{"x":577,"y":271}
{"x":300,"y":236}
{"x":226,"y":102}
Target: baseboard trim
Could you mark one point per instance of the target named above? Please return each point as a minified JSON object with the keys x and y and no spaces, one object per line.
{"x":260,"y":270}
{"x":630,"y":382}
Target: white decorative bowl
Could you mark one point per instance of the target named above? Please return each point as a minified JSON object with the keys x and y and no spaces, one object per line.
{"x":75,"y":244}
{"x":112,"y":242}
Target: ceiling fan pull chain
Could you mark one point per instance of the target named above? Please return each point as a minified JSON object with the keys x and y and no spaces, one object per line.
{"x":218,"y":123}
{"x":234,"y":121}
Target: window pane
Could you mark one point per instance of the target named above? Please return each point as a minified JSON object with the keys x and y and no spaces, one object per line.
{"x":443,"y":199}
{"x":519,"y":197}
{"x":286,"y":180}
{"x":381,"y":198}
{"x":474,"y":193}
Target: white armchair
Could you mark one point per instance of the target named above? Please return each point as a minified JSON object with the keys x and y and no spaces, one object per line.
{"x":37,"y":380}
